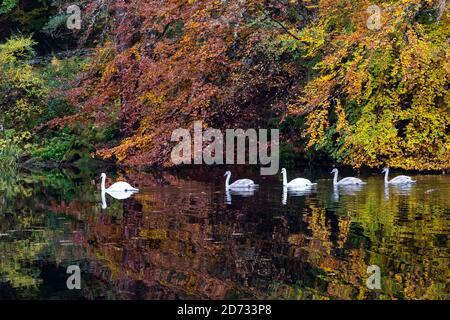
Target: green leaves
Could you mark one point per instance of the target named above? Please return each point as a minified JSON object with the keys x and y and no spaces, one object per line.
{"x":7,"y":6}
{"x":16,"y":50}
{"x":21,"y":86}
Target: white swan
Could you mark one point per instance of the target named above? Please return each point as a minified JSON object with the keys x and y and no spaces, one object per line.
{"x":396,"y":180}
{"x":119,"y":195}
{"x":117,"y":188}
{"x":238,"y":184}
{"x":345,"y":181}
{"x":296,"y":183}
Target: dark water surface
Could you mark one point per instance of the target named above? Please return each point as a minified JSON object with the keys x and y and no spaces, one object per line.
{"x":183,"y":237}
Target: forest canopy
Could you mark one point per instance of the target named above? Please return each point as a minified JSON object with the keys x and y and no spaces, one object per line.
{"x":361,"y":83}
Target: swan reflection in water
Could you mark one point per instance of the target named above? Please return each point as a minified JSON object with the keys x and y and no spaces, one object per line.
{"x":245,"y":193}
{"x":296,"y":192}
{"x":398,"y":190}
{"x":119,"y":195}
{"x":346,"y":190}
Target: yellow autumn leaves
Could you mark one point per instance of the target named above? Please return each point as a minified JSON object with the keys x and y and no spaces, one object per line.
{"x":379,"y":97}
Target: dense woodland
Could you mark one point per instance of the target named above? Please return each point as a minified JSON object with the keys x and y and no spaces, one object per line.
{"x":339,"y":90}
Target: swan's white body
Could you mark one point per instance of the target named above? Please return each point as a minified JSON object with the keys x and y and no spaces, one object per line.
{"x":296,"y":183}
{"x":346,"y":181}
{"x":396,"y":180}
{"x":117,"y":188}
{"x":238,"y":184}
{"x":119,"y":195}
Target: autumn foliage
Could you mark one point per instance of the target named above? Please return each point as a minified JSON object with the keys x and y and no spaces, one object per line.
{"x":366,"y":97}
{"x":166,"y":66}
{"x":380,"y":97}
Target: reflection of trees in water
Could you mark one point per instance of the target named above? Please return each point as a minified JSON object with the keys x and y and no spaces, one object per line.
{"x":29,"y":232}
{"x":170,"y":242}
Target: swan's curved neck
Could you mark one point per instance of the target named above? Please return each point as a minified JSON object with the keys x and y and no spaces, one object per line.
{"x":335,"y":179}
{"x":227,"y":181}
{"x":285,"y":178}
{"x":386,"y":176}
{"x":103,"y":183}
{"x":104,"y":205}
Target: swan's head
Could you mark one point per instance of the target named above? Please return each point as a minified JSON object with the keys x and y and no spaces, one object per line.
{"x":228,"y":173}
{"x":384,"y":170}
{"x":334,"y":171}
{"x":103,"y":175}
{"x":283,"y":170}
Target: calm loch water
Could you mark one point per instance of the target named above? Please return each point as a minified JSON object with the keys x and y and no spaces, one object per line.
{"x":183,"y":237}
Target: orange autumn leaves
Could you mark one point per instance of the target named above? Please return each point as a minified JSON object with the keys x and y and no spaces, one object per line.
{"x":181,"y":62}
{"x":369,"y":97}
